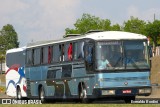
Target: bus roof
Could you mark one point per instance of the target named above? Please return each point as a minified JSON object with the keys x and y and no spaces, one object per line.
{"x":105,"y":35}
{"x":16,"y":50}
{"x":115,"y":35}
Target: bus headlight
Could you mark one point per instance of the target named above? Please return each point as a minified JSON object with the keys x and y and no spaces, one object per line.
{"x":108,"y":92}
{"x":144,"y":90}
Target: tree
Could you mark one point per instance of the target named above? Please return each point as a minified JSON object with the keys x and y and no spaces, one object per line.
{"x":116,"y":27}
{"x":135,"y":25}
{"x":153,"y":32}
{"x":9,"y":36}
{"x":88,"y":22}
{"x":8,"y":40}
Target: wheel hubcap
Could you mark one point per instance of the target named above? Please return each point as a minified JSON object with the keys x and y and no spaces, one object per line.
{"x":19,"y":94}
{"x":83,"y":94}
{"x":42,"y":96}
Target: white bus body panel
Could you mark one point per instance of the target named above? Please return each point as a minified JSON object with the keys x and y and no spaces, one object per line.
{"x":15,"y":76}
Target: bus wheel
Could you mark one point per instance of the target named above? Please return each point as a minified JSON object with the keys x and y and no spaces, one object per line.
{"x":83,"y":94}
{"x":42,"y":95}
{"x":19,"y":95}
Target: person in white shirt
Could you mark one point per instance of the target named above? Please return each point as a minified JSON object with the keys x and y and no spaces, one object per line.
{"x":103,"y":63}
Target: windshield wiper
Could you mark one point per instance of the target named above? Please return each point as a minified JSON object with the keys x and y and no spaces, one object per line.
{"x":131,"y":62}
{"x":124,"y":61}
{"x":117,"y":62}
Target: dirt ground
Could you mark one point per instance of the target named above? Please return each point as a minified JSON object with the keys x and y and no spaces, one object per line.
{"x":155,"y":79}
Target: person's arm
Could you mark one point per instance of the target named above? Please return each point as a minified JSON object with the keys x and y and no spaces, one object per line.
{"x":108,"y":64}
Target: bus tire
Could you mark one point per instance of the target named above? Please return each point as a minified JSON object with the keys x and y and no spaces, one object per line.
{"x":83,"y":94}
{"x":18,"y":93}
{"x":42,"y":95}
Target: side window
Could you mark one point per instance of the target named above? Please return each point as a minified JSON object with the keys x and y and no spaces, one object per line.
{"x":65,"y":49}
{"x":8,"y":58}
{"x":62,"y":52}
{"x":51,"y":74}
{"x":66,"y":71}
{"x":44,"y":55}
{"x":32,"y":56}
{"x":78,"y":50}
{"x":89,"y":57}
{"x":56,"y":53}
{"x":15,"y":58}
{"x":29,"y":57}
{"x":67,"y":52}
{"x":70,"y":52}
{"x":49,"y":54}
{"x":37,"y":56}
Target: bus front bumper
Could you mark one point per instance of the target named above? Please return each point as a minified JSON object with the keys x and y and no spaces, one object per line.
{"x":122,"y":91}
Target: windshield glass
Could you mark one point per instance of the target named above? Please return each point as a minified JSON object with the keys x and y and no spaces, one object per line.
{"x":112,"y":55}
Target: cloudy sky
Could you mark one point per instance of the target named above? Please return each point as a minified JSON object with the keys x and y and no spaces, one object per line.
{"x":37,"y":20}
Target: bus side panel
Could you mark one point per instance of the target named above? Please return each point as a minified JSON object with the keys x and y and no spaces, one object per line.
{"x":50,"y":91}
{"x":37,"y":77}
{"x":73,"y":86}
{"x":15,"y":72}
{"x":12,"y":78}
{"x":78,"y":73}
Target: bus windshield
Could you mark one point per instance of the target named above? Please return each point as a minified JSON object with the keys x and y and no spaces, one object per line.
{"x":116,"y":55}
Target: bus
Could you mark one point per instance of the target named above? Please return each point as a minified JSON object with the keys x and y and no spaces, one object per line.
{"x":15,"y":73}
{"x":93,"y":66}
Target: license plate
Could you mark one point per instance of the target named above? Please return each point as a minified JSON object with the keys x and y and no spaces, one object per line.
{"x":127,"y":91}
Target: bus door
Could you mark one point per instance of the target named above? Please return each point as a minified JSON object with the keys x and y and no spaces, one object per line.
{"x":54,"y":83}
{"x":89,"y":57}
{"x":66,"y":77}
{"x":61,"y":85}
{"x":66,"y":68}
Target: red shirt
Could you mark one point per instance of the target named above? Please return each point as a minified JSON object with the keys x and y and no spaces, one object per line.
{"x":70,"y":52}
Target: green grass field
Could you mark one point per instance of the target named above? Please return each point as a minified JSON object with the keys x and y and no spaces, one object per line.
{"x":2,"y":89}
{"x":86,"y":105}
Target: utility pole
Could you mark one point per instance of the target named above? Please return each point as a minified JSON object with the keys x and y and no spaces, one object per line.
{"x":1,"y":67}
{"x":154,"y":47}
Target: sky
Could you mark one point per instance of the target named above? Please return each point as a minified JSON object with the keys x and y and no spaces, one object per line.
{"x":39,"y":20}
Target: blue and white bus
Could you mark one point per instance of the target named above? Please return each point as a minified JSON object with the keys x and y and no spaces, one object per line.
{"x":72,"y":68}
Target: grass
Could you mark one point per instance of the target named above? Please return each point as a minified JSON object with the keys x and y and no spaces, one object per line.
{"x":86,"y":105}
{"x":2,"y":78}
{"x":2,"y":89}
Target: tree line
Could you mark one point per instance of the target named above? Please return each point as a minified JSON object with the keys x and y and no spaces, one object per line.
{"x":9,"y":37}
{"x":88,"y":22}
